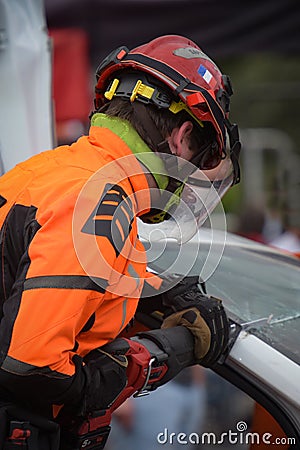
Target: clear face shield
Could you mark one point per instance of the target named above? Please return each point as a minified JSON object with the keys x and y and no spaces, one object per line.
{"x":195,"y":194}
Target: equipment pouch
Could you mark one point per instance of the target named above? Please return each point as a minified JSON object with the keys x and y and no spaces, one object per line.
{"x":22,"y":430}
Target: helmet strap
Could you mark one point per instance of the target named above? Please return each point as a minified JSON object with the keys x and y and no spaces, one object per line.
{"x":235,"y":148}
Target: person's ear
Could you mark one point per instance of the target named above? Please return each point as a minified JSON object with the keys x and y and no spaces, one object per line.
{"x":179,"y":138}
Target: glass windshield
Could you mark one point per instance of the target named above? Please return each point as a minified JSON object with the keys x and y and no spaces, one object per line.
{"x":253,"y":282}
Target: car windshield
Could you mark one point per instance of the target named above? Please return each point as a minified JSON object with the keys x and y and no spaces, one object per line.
{"x":254,"y":282}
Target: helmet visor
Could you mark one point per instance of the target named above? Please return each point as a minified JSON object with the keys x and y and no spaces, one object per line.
{"x":202,"y":192}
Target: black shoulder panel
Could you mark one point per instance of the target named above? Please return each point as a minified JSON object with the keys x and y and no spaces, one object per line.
{"x":112,"y":217}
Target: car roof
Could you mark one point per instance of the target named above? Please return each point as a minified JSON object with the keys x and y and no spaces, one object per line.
{"x":255,"y":281}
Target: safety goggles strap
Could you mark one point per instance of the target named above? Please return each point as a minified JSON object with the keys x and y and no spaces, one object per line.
{"x":137,"y":87}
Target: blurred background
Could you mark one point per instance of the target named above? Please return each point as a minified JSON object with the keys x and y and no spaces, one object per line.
{"x":49,"y":52}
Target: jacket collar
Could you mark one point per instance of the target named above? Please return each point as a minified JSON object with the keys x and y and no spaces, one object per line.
{"x":138,"y":147}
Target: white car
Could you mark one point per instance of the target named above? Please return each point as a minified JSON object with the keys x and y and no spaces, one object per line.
{"x":260,"y":289}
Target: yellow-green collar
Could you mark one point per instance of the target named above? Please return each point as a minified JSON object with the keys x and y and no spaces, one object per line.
{"x":139,"y":148}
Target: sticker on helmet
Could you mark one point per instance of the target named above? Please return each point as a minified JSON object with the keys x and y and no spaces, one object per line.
{"x":207,"y":76}
{"x":190,"y":53}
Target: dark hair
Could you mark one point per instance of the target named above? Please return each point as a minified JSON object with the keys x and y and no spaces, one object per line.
{"x":164,"y":120}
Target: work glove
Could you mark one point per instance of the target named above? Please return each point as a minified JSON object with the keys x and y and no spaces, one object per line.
{"x":203,"y":315}
{"x":105,"y":379}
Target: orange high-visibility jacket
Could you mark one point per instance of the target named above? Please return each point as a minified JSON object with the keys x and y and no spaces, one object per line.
{"x":72,"y":267}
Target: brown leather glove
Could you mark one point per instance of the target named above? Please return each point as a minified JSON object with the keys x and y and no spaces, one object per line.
{"x":204,"y":316}
{"x":191,"y":319}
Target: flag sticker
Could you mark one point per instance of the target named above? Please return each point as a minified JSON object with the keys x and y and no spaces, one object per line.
{"x":206,"y":75}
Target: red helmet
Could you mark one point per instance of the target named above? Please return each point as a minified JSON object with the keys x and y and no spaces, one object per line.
{"x":193,"y":80}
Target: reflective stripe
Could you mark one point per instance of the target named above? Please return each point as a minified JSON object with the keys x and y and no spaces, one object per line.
{"x":21,"y":368}
{"x":124,"y":313}
{"x":133,"y":273}
{"x":66,"y":282}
